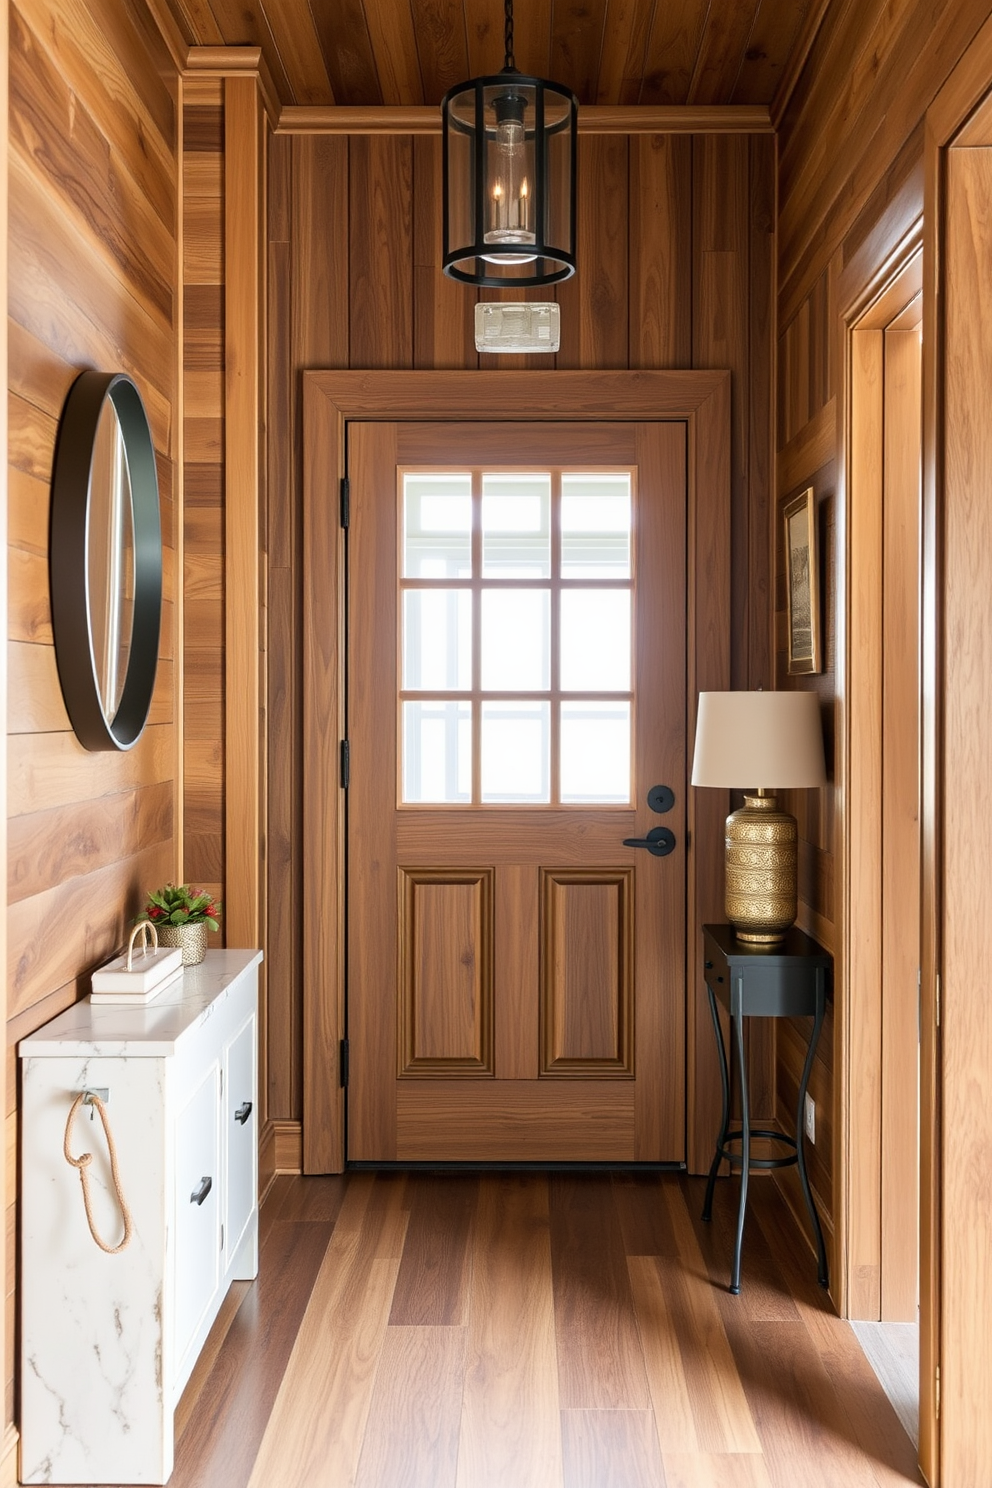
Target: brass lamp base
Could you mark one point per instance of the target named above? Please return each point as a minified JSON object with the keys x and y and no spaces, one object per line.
{"x":762,"y":859}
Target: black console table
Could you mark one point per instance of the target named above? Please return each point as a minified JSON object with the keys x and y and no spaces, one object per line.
{"x":787,"y":980}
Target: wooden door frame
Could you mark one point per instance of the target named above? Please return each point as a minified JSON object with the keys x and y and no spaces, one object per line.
{"x":330,"y":400}
{"x":955,"y":1296}
{"x":867,"y":311}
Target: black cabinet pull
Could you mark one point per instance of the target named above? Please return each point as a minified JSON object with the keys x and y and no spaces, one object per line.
{"x":709,"y":966}
{"x":199,"y":1194}
{"x":243,"y":1112}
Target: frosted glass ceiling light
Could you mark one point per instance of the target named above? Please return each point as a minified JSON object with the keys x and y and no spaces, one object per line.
{"x":509,"y":177}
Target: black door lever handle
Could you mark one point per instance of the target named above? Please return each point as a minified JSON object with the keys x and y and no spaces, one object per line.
{"x":660,"y":841}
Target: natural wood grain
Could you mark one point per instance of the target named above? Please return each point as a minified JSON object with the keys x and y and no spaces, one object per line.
{"x":228,"y":1419}
{"x":352,"y":1296}
{"x":510,"y":1422}
{"x":381,"y":252}
{"x":432,"y":1285}
{"x":47,"y":847}
{"x":598,"y":1444}
{"x":244,"y":477}
{"x":901,"y":507}
{"x":8,"y":1456}
{"x":596,"y":922}
{"x":965,"y":1360}
{"x":594,"y":325}
{"x":593,"y":119}
{"x":412,"y":1435}
{"x":600,"y":1364}
{"x":660,"y":228}
{"x":865,"y":793}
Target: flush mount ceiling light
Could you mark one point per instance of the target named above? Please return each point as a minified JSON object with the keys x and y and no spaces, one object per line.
{"x":509,"y":178}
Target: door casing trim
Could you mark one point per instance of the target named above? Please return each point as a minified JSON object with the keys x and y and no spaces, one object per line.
{"x":330,"y":400}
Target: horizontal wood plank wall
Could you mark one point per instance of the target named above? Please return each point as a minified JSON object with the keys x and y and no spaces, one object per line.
{"x":93,"y":167}
{"x":676,"y":264}
{"x":203,"y":509}
{"x":850,"y":188}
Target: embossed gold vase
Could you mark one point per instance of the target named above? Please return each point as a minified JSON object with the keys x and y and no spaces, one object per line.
{"x":775,"y":738}
{"x":762,"y":858}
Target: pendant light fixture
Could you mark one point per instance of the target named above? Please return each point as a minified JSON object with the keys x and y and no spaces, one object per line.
{"x":509,"y":178}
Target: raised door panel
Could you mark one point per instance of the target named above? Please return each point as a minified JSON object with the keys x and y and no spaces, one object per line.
{"x":587,"y":989}
{"x":446,"y":971}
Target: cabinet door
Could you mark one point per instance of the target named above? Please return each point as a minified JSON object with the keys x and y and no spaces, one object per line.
{"x":198,"y":1219}
{"x":241,"y":1133}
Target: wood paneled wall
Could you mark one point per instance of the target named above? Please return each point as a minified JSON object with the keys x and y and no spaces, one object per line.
{"x":676,"y":269}
{"x":203,"y":483}
{"x":850,"y":186}
{"x":93,"y":170}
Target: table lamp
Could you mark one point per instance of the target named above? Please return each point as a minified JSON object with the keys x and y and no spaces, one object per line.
{"x":759,"y":742}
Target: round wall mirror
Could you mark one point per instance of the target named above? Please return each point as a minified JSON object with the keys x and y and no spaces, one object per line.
{"x":106,"y":560}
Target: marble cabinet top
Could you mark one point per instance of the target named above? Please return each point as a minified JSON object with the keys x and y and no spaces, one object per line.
{"x":151,"y":1031}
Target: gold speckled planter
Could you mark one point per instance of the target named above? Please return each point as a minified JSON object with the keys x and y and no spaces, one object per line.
{"x":190,"y":939}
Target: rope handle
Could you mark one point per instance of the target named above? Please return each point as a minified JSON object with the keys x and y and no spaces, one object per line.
{"x":141,"y":928}
{"x":82,"y":1163}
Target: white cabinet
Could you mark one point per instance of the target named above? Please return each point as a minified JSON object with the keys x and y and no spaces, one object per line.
{"x":109,"y":1341}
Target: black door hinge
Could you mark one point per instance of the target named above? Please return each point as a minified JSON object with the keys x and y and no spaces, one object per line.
{"x":344,"y":1064}
{"x":345,"y":763}
{"x":345,"y":501}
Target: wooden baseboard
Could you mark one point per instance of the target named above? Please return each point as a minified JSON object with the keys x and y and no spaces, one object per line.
{"x":8,"y":1458}
{"x":280,"y":1150}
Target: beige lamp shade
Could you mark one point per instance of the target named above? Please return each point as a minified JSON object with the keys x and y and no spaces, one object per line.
{"x":759,"y":741}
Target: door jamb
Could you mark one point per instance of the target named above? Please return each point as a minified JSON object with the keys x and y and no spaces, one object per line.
{"x":330,"y":399}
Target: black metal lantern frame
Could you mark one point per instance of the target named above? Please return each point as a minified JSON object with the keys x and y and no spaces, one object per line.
{"x":509,"y":178}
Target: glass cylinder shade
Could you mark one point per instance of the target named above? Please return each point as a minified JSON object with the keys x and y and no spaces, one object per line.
{"x":509,"y":181}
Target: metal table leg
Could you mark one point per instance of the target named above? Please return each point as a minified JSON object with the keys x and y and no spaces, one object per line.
{"x":821,"y":1250}
{"x":736,"y":1026}
{"x":725,"y":1119}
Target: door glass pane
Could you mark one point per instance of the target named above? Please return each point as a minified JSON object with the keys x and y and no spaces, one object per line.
{"x":595,"y":752}
{"x":595,"y":640}
{"x":516,"y":526}
{"x":437,"y":526}
{"x":595,"y":526}
{"x":437,"y":751}
{"x":516,"y":752}
{"x":437,"y":639}
{"x":516,"y":640}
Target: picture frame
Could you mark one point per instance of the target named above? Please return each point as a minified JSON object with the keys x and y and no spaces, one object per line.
{"x":802,"y":575}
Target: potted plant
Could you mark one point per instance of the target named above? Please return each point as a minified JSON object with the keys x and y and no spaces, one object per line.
{"x":182,"y":915}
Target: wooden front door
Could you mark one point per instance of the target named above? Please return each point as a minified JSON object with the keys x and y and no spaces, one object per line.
{"x":516,"y":687}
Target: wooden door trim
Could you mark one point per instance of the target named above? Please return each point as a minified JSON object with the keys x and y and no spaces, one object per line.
{"x":960,"y":115}
{"x":330,"y":400}
{"x":864,"y":1162}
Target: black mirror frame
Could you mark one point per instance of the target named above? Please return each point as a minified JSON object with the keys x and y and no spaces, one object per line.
{"x":68,"y":566}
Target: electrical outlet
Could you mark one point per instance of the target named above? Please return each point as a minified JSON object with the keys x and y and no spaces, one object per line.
{"x":810,"y":1119}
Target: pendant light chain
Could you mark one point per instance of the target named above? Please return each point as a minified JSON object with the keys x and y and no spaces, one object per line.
{"x":508,"y":62}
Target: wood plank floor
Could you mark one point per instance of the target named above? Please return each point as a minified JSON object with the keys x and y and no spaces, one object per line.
{"x":528,"y":1330}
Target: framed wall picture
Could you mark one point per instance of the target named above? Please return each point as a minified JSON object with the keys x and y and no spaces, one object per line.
{"x":802,"y":583}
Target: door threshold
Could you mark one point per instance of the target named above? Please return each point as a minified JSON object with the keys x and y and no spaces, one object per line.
{"x":515,"y":1167}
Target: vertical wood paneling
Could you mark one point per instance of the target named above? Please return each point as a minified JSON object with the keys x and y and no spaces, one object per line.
{"x":203,"y":520}
{"x":380,"y":221}
{"x":91,"y":239}
{"x":660,"y":226}
{"x":594,"y":301}
{"x":361,"y":217}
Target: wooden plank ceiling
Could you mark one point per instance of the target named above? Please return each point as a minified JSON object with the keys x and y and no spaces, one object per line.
{"x":401,"y":52}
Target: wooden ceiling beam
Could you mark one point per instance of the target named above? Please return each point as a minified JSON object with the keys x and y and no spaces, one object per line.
{"x":593,"y":119}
